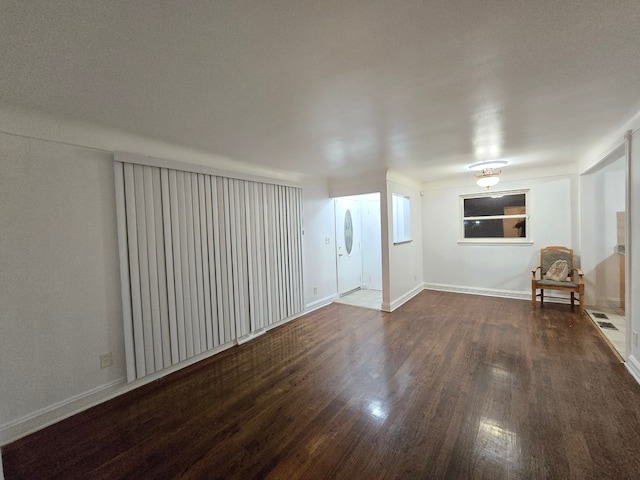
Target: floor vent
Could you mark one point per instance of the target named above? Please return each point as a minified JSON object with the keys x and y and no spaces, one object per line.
{"x":600,"y":315}
{"x":608,"y":325}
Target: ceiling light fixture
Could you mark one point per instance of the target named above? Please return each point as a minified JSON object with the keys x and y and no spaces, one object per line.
{"x":488,"y":178}
{"x":491,"y":164}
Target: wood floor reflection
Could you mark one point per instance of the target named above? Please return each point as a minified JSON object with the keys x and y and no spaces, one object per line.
{"x":449,"y":386}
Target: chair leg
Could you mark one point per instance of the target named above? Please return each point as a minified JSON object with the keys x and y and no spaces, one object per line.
{"x":541,"y":297}
{"x":573,"y":295}
{"x":533,"y":298}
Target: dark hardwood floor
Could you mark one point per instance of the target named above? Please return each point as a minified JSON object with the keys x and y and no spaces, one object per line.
{"x":449,"y":386}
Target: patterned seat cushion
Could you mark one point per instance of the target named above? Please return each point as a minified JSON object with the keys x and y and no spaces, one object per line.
{"x":551,"y":283}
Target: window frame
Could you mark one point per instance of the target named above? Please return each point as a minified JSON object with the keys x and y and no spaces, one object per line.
{"x":496,"y":240}
{"x":401,"y":218}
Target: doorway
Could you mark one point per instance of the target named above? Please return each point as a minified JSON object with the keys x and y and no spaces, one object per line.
{"x":359,"y":250}
{"x":604,"y":233}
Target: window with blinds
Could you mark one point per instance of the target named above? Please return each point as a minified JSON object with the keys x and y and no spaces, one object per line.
{"x":205,"y":260}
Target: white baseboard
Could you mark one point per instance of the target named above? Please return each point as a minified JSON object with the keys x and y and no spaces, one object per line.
{"x":315,"y":305}
{"x":488,"y":292}
{"x":51,"y":414}
{"x":493,"y":292}
{"x":391,"y":306}
{"x":633,"y":366}
{"x":27,"y":424}
{"x":250,"y":336}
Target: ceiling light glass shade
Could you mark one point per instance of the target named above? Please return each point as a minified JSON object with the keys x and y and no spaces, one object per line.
{"x":488,"y":180}
{"x":490,"y":164}
{"x":488,"y":177}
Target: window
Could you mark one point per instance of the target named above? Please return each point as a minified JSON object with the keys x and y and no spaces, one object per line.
{"x":401,"y":218}
{"x":497,"y":217}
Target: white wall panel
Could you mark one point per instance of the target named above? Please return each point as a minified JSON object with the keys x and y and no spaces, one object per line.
{"x":505,"y":267}
{"x":320,"y":285}
{"x":60,"y":283}
{"x":371,"y":242}
{"x":405,"y":259}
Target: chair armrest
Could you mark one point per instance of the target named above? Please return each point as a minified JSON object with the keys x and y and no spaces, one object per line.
{"x":580,"y":275}
{"x":533,"y":272}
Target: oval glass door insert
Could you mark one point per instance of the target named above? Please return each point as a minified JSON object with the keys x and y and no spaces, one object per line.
{"x":348,"y":231}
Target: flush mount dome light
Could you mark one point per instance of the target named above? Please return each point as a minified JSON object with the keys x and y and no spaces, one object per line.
{"x":488,"y":164}
{"x":488,"y":178}
{"x":490,"y":172}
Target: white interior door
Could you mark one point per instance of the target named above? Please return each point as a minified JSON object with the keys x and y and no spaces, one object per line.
{"x":348,"y":251}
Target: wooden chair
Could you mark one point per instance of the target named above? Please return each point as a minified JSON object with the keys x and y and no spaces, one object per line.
{"x":574,"y":282}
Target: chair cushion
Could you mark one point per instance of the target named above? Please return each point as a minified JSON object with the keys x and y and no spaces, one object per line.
{"x":552,"y":256}
{"x":552,"y":283}
{"x":558,"y":271}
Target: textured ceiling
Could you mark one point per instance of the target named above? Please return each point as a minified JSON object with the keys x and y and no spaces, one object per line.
{"x":333,"y":88}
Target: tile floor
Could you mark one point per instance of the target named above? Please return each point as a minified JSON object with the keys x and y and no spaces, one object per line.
{"x":616,"y":317}
{"x":371,"y":299}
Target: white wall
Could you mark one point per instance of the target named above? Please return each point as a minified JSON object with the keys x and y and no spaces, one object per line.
{"x":371,"y":242}
{"x":59,"y":286}
{"x":405,"y":259}
{"x":319,"y":262}
{"x":495,"y":269}
{"x":60,"y":283}
{"x":589,"y":163}
{"x":401,"y":264}
{"x":602,"y":194}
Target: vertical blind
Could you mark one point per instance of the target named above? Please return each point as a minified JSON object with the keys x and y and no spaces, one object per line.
{"x":205,"y":260}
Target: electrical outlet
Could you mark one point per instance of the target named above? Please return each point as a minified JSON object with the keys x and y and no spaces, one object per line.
{"x":315,"y":290}
{"x":635,"y":339}
{"x":327,"y":240}
{"x":106,"y":360}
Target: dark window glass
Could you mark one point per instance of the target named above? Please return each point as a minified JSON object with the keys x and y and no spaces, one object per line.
{"x":495,"y":228}
{"x":488,"y":206}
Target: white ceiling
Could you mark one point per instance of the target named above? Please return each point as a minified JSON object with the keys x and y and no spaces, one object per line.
{"x":333,"y":88}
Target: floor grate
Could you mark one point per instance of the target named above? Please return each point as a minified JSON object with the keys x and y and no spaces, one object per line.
{"x":600,"y":315}
{"x":608,"y":325}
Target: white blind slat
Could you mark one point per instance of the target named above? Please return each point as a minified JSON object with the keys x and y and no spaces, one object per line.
{"x":134,"y":269}
{"x":151,"y":249}
{"x":197,"y":291}
{"x":204,"y":242}
{"x":228,"y":299}
{"x":175,"y":183}
{"x":215,"y":223}
{"x":169,"y":263}
{"x":125,"y":276}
